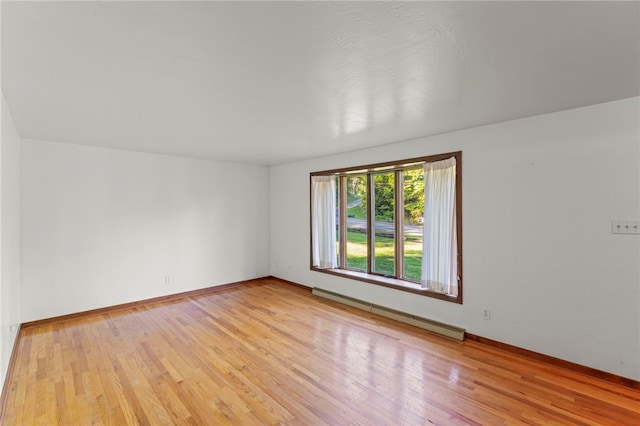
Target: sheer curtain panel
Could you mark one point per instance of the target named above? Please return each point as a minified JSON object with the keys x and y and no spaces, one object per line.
{"x":440,"y":250}
{"x":323,"y":221}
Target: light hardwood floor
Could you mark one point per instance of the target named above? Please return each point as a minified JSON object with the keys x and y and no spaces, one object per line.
{"x":270,"y":353}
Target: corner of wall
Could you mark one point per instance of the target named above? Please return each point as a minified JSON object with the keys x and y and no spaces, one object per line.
{"x":9,"y":237}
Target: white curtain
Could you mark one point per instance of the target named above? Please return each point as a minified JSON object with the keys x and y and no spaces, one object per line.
{"x":440,"y":243}
{"x":323,"y":221}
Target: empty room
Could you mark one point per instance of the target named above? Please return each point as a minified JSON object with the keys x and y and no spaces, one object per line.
{"x":320,"y":213}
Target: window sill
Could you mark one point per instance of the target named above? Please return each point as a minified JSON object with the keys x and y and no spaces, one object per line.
{"x":394,"y":283}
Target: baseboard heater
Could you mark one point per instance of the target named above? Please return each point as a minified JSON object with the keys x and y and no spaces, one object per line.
{"x":424,"y":323}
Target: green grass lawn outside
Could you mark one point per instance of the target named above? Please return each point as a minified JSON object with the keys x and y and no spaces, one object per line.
{"x":359,"y":211}
{"x":357,"y":255}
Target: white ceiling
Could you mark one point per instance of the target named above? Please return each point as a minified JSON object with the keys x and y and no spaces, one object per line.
{"x":272,"y":82}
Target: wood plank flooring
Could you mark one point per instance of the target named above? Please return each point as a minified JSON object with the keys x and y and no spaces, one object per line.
{"x":270,"y":353}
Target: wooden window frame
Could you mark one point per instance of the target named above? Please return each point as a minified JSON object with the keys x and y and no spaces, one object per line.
{"x":372,"y":278}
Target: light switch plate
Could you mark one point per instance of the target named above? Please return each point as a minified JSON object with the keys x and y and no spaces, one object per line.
{"x":625,"y":226}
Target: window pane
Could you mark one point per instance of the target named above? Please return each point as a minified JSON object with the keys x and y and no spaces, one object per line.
{"x":413,"y":187}
{"x":384,"y":224}
{"x":357,"y":222}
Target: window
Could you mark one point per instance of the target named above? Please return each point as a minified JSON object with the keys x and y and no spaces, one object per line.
{"x":395,"y":224}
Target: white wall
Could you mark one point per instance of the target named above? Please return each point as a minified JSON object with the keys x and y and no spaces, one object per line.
{"x":102,"y":227}
{"x":9,"y":237}
{"x":539,"y":195}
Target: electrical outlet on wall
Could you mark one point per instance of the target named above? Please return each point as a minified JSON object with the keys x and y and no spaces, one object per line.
{"x":486,"y":314}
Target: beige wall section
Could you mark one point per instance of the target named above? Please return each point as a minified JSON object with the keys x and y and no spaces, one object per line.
{"x":102,"y":227}
{"x":539,"y":195}
{"x":9,"y":237}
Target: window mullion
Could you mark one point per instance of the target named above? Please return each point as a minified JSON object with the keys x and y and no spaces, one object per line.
{"x":343,"y":222}
{"x":370,"y":221}
{"x":399,"y":223}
